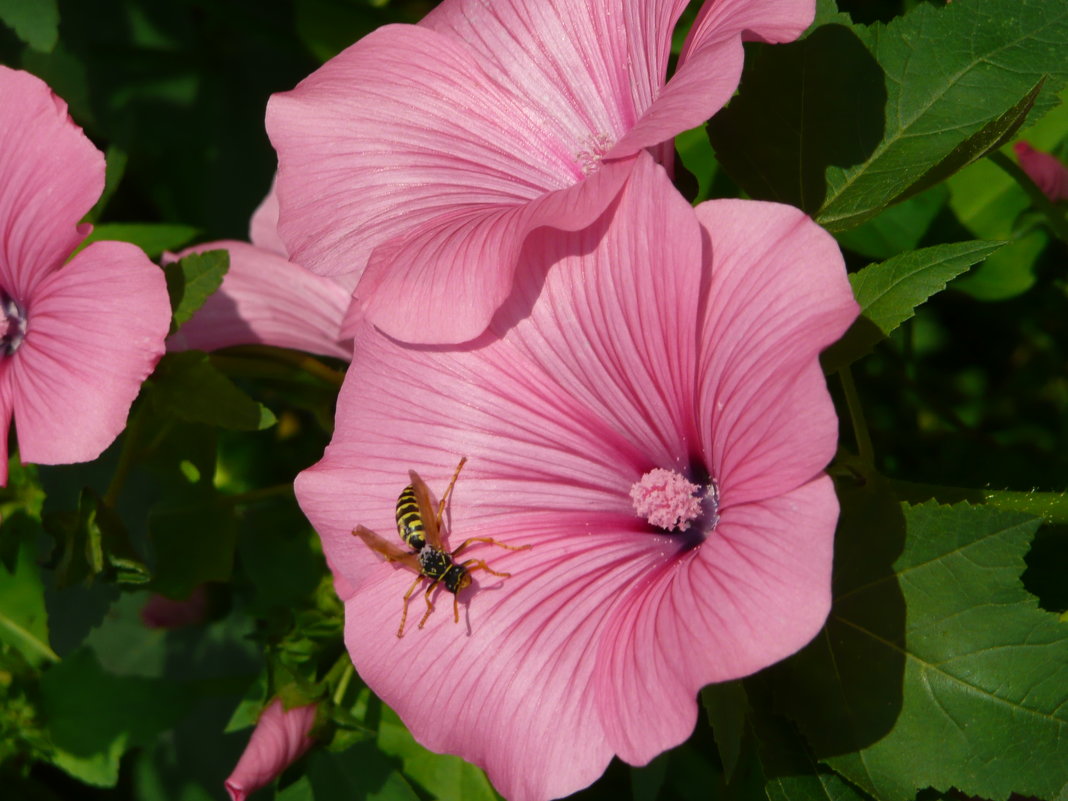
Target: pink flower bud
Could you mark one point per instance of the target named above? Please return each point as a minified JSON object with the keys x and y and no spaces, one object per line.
{"x":279,"y":739}
{"x":161,"y":612}
{"x":1047,"y":171}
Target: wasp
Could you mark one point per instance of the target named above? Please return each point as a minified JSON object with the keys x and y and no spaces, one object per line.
{"x":419,"y":526}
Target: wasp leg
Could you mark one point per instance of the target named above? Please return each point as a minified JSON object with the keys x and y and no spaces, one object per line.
{"x":478,"y":564}
{"x":490,"y":541}
{"x":429,"y":605}
{"x":404,"y":614}
{"x":445,"y":498}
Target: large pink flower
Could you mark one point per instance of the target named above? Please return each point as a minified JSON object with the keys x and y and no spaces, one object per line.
{"x":422,"y":156}
{"x":76,"y":339}
{"x":647,"y":411}
{"x":265,"y":299}
{"x":279,"y":739}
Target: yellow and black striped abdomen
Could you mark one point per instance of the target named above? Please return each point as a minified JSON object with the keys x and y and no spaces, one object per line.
{"x":409,"y":520}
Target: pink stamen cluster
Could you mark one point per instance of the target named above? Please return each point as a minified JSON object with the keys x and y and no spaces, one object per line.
{"x":666,"y":499}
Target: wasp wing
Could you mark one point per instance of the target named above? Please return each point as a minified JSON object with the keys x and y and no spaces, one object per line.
{"x":386,"y":549}
{"x":426,"y":511}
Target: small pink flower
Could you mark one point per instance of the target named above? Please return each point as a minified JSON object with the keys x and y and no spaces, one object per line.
{"x":76,"y":338}
{"x":279,"y":739}
{"x":648,"y":413}
{"x":1047,"y":171}
{"x":423,"y":156}
{"x":265,"y":299}
{"x":161,"y":612}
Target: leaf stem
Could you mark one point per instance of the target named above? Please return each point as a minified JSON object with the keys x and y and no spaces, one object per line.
{"x":1052,"y":507}
{"x":343,"y":684}
{"x":263,"y":493}
{"x":856,"y":415}
{"x":301,"y":361}
{"x":126,"y":455}
{"x":1054,"y":216}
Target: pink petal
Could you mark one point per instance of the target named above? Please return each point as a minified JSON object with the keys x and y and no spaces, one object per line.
{"x":265,"y":299}
{"x":1047,"y":171}
{"x":279,"y":739}
{"x":778,"y":296}
{"x":753,"y":593}
{"x":263,"y":227}
{"x":50,"y":176}
{"x":710,"y":65}
{"x":6,"y":409}
{"x":443,"y":283}
{"x":96,"y":330}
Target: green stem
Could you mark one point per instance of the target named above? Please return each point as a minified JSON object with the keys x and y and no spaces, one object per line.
{"x":1054,"y":216}
{"x":343,"y":684}
{"x":1050,"y":506}
{"x":127,"y":455}
{"x":856,"y":415}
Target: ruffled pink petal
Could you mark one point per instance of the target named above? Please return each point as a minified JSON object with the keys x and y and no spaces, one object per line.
{"x":710,"y":66}
{"x":443,"y":283}
{"x":778,"y":296}
{"x":265,"y":299}
{"x":756,"y":591}
{"x":279,"y":739}
{"x":381,"y":140}
{"x":263,"y":227}
{"x":1047,"y":171}
{"x":50,"y":176}
{"x":95,"y":332}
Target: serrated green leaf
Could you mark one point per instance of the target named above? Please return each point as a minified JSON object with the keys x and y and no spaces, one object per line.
{"x":23,"y":618}
{"x":852,"y":119}
{"x":36,"y":23}
{"x":889,"y":292}
{"x":191,"y":280}
{"x":93,"y":717}
{"x":362,"y":772}
{"x":448,"y":777}
{"x":937,"y":669}
{"x":898,"y":228}
{"x":152,"y":238}
{"x":190,"y":386}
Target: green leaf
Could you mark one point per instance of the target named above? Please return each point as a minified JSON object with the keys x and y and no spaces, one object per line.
{"x":36,"y":23}
{"x":936,"y":668}
{"x":889,"y":292}
{"x":897,"y":229}
{"x":191,"y":280}
{"x":449,"y":778}
{"x":192,"y":544}
{"x":362,"y":772}
{"x":726,"y":704}
{"x":152,"y":238}
{"x":188,"y":385}
{"x":852,"y":119}
{"x":23,"y":618}
{"x":93,"y":717}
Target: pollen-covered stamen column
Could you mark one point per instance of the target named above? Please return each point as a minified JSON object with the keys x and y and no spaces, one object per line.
{"x":670,"y":501}
{"x":12,"y":324}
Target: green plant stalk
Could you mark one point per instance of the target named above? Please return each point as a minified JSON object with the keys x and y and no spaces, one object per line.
{"x":856,"y":415}
{"x":301,"y":361}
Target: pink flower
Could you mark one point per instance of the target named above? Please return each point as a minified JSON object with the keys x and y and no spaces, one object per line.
{"x":265,"y":299}
{"x":161,"y":612}
{"x":423,"y":156}
{"x":1047,"y":171}
{"x":648,"y":413}
{"x":76,"y":338}
{"x":279,"y":739}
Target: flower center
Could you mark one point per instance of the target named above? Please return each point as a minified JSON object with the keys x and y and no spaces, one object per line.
{"x":589,"y":158}
{"x":12,"y":324}
{"x":670,"y":501}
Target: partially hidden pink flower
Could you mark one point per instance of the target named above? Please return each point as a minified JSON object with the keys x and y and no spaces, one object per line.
{"x":422,"y":156}
{"x":1047,"y":171}
{"x":648,"y":413}
{"x":161,"y":612}
{"x":279,"y":739}
{"x":77,"y":337}
{"x":265,"y":299}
